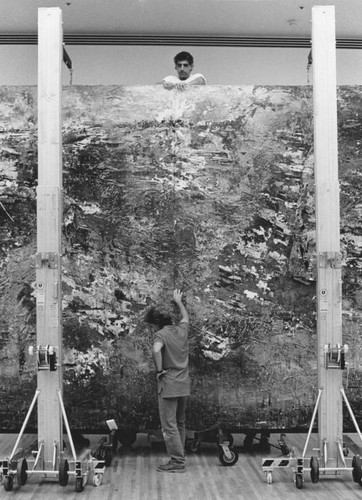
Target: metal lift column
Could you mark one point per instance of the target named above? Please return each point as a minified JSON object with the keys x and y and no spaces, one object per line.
{"x":329,"y":282}
{"x":49,"y":219}
{"x":331,"y":457}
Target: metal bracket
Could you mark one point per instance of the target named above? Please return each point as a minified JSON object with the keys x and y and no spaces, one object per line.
{"x":46,"y":258}
{"x":46,"y":357}
{"x":335,"y":356}
{"x":330,"y":259}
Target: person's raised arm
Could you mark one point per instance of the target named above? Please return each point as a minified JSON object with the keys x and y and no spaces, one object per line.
{"x":177,"y":297}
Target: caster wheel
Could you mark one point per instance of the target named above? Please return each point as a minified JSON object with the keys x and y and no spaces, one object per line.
{"x":114,"y":442}
{"x":357,"y":469}
{"x":195,"y":446}
{"x":79,"y":484}
{"x":127,"y":436}
{"x":108,"y":457}
{"x":264,"y":444}
{"x":269,"y":478}
{"x":97,"y":479}
{"x":228,"y":460}
{"x":314,"y":469}
{"x":63,"y":472}
{"x":230,"y":438}
{"x":21,"y":472}
{"x":248,"y":442}
{"x":283,"y":445}
{"x":299,"y":481}
{"x":8,"y":483}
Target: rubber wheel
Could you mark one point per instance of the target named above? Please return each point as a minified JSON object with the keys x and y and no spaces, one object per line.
{"x":127,"y":436}
{"x":21,"y":472}
{"x":299,"y":481}
{"x":79,"y":484}
{"x":108,"y":457}
{"x":97,"y":479}
{"x":314,"y":469}
{"x":248,"y":441}
{"x":264,"y":444}
{"x":195,"y":446}
{"x":63,"y":472}
{"x":8,"y":483}
{"x":228,"y":461}
{"x":357,"y":469}
{"x":114,"y":442}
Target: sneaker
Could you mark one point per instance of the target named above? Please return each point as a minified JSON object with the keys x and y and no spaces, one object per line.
{"x":169,"y":467}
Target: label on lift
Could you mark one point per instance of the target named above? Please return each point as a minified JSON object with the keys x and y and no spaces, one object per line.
{"x":40,"y":293}
{"x":323,"y":300}
{"x":54,"y":316}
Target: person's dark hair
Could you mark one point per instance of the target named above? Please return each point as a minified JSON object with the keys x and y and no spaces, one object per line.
{"x":158,"y":318}
{"x":184,"y":56}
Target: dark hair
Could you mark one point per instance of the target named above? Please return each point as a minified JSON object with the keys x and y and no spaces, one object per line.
{"x":184,"y":56}
{"x":158,"y":318}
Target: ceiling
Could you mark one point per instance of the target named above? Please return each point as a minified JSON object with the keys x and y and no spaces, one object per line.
{"x":254,"y":18}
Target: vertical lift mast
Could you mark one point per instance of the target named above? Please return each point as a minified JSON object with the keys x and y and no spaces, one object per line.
{"x":329,"y":277}
{"x":49,"y":458}
{"x":49,"y":219}
{"x":330,"y":457}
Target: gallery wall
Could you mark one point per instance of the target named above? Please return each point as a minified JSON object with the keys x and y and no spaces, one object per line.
{"x":138,"y":65}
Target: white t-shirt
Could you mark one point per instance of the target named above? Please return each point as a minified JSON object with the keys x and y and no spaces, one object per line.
{"x":175,"y":79}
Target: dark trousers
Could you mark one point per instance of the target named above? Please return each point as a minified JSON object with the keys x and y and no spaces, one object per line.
{"x":172,"y":415}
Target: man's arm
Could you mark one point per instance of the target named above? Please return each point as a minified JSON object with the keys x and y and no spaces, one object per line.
{"x":157,"y":358}
{"x":196,"y":80}
{"x":168,"y":82}
{"x":157,"y":355}
{"x":177,"y":297}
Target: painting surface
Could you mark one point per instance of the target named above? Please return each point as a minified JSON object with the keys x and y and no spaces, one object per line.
{"x":211,"y":191}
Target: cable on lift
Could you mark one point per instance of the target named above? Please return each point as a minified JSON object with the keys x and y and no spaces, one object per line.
{"x":309,"y":64}
{"x":68,"y":62}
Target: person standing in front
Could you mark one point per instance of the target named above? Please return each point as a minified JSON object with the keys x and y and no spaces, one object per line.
{"x":170,"y":354}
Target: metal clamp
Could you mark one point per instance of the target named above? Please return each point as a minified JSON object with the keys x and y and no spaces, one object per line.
{"x":49,"y":259}
{"x":335,"y":356}
{"x":330,"y":259}
{"x":46,"y":357}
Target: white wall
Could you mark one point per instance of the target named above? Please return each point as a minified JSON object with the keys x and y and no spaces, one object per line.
{"x":145,"y":65}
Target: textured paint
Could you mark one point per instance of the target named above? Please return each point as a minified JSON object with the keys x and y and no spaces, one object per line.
{"x":210,"y":190}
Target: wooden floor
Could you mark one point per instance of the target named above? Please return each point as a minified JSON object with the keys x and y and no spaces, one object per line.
{"x":132,"y":476}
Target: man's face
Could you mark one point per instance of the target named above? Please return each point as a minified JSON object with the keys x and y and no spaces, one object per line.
{"x":183,"y":69}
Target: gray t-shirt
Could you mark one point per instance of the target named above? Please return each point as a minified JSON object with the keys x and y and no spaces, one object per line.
{"x":175,"y":359}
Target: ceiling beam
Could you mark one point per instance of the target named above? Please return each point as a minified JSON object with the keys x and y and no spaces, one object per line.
{"x":186,"y":40}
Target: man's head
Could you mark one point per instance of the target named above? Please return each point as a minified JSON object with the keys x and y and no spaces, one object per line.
{"x":158,"y":318}
{"x":184,"y":64}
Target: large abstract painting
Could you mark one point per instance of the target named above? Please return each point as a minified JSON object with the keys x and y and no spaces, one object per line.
{"x":210,"y":190}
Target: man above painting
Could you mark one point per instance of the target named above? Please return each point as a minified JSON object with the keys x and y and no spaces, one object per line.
{"x":184,"y":64}
{"x":171,"y":357}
